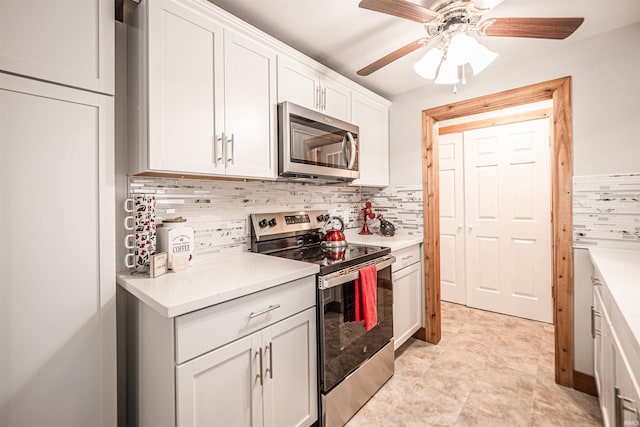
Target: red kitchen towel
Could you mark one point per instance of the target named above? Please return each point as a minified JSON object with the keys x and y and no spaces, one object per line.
{"x":366,"y":296}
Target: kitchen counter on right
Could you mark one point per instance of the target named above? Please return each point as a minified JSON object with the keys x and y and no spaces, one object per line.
{"x":396,"y":242}
{"x":620,"y":271}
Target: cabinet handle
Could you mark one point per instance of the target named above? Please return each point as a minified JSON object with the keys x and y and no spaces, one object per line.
{"x":621,"y":406}
{"x":231,"y":151}
{"x":595,"y":281}
{"x":324,"y":99}
{"x":265,"y":311}
{"x":270,"y":368}
{"x":404,"y":258}
{"x":318,"y":97}
{"x":217,"y":153}
{"x":260,"y":375}
{"x":594,"y":331}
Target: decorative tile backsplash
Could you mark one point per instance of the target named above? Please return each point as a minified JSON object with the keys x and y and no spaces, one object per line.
{"x":606,"y":211}
{"x":219,"y":211}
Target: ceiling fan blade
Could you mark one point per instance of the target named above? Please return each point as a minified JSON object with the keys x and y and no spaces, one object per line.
{"x":388,"y":59}
{"x":402,"y":9}
{"x":538,"y":28}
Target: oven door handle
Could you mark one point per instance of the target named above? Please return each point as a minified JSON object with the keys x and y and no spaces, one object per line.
{"x":352,"y":273}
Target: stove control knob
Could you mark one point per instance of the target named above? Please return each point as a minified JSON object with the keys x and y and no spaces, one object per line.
{"x":272,"y":222}
{"x":320,"y":218}
{"x":263,"y":223}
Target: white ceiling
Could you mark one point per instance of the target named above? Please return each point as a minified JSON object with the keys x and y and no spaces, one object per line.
{"x":346,"y":38}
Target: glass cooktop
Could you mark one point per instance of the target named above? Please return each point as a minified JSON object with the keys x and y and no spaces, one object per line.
{"x":334,"y":259}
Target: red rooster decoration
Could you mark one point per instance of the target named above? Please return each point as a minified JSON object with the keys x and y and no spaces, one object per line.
{"x":366,"y":212}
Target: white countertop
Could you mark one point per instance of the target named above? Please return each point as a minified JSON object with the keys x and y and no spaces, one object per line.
{"x":620,"y":269}
{"x":213,"y":280}
{"x":396,"y":242}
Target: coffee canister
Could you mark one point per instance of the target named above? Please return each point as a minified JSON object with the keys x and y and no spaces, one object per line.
{"x":176,"y":239}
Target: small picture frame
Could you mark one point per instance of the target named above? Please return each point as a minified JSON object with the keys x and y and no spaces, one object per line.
{"x":158,"y":264}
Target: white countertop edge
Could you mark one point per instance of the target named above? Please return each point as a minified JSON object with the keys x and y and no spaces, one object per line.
{"x":136,"y":284}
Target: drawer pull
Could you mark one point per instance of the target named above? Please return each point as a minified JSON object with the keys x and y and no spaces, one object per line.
{"x":404,"y":258}
{"x":596,"y":281}
{"x":265,"y":311}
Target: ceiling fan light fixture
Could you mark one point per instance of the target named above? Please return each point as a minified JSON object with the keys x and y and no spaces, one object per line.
{"x":481,"y":58}
{"x":427,"y":67}
{"x":461,"y":48}
{"x":447,"y":74}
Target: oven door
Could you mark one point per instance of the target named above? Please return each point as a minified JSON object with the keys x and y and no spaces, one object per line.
{"x":344,"y":343}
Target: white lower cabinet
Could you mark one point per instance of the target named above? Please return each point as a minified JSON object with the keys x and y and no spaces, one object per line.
{"x":407,"y":294}
{"x":265,"y":379}
{"x":618,"y":390}
{"x":250,"y":361}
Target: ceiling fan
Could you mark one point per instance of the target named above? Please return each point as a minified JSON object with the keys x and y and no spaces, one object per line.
{"x":446,"y":19}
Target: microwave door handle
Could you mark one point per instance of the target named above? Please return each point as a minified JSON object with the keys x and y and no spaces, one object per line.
{"x":352,"y":158}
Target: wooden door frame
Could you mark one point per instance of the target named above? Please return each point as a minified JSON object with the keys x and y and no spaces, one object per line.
{"x":559,"y":91}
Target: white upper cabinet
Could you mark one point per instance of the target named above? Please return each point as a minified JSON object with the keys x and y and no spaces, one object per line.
{"x":250,"y":107}
{"x":373,"y":120}
{"x":203,"y":90}
{"x":211,"y":101}
{"x":68,"y":42}
{"x":185,"y":90}
{"x":308,"y":87}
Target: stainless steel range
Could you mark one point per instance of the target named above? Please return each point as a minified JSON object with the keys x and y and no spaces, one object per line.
{"x":353,"y":362}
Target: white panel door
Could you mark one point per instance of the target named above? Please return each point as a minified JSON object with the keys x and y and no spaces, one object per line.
{"x":57,"y":285}
{"x":452,"y":237}
{"x":508,"y":208}
{"x":250,"y":108}
{"x":185,"y":89}
{"x":222,"y":387}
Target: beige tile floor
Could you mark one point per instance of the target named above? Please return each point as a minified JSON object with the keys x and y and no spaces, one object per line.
{"x":488,"y":370}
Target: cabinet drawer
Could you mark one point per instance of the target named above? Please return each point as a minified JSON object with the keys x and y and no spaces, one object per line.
{"x":406,"y":257}
{"x":212,"y":327}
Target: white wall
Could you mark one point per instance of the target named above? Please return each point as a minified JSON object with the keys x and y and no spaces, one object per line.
{"x":606,"y":103}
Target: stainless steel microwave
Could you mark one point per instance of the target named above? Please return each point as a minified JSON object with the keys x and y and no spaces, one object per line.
{"x":316,"y":147}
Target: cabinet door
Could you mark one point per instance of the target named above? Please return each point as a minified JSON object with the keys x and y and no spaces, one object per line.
{"x":604,"y":358}
{"x":406,"y":303}
{"x":373,"y":120}
{"x":626,"y":393}
{"x":335,"y":99}
{"x":222,"y":387}
{"x":290,"y":391}
{"x":298,"y":83}
{"x":185,"y":88}
{"x":57,"y":292}
{"x":250,"y":108}
{"x":69,"y":42}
